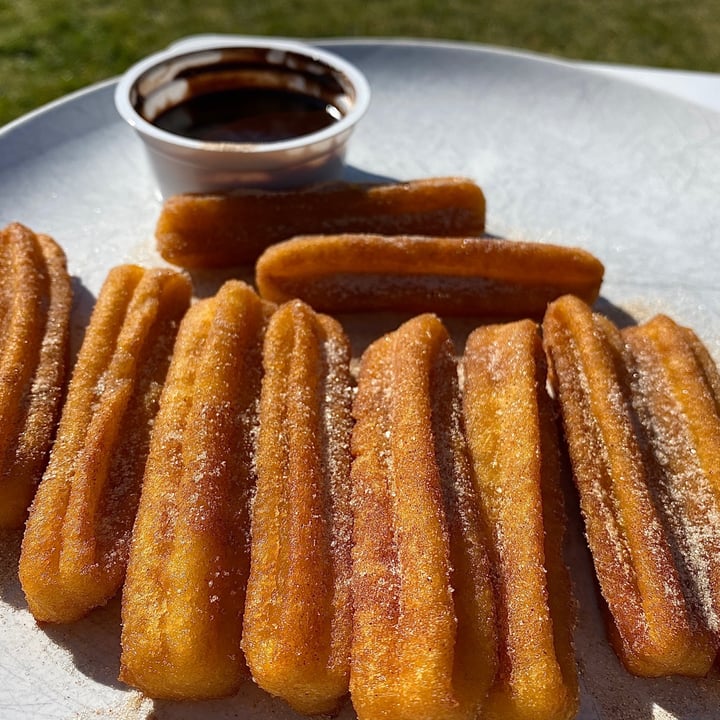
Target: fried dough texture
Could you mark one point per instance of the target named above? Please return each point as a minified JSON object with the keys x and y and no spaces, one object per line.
{"x":298,"y":614}
{"x":424,"y":635}
{"x":35,"y":307}
{"x":481,"y":276}
{"x":651,"y":624}
{"x":676,"y":393}
{"x":182,"y":604}
{"x":74,"y":550}
{"x":512,"y":436}
{"x":234,"y":228}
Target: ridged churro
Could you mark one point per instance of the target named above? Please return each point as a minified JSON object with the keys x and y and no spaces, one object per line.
{"x":676,"y":395}
{"x":35,"y":305}
{"x":452,"y":276}
{"x":234,"y":228}
{"x":183,"y":598}
{"x":298,"y":614}
{"x":424,"y":634}
{"x":512,"y":436}
{"x":652,"y":627}
{"x":75,"y":545}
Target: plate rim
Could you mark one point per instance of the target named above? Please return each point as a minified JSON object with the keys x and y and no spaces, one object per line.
{"x":575,"y":66}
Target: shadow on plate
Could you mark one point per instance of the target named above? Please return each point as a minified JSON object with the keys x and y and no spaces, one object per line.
{"x":83,"y":304}
{"x":93,"y":642}
{"x":357,"y":175}
{"x":250,"y":703}
{"x":619,"y":316}
{"x":207,"y":282}
{"x":10,"y":590}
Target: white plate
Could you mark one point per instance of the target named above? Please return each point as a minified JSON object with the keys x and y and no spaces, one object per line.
{"x":563,"y":154}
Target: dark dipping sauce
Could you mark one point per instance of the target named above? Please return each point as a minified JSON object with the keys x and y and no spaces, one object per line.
{"x":248,"y":115}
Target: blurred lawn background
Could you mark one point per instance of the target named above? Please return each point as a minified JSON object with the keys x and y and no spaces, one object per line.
{"x":51,"y":47}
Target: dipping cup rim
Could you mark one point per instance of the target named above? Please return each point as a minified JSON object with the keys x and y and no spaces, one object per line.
{"x":335,"y":63}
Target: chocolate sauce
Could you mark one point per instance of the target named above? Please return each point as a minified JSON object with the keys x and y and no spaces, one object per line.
{"x":248,"y":115}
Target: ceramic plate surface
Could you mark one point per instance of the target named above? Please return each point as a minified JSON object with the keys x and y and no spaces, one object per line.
{"x":563,"y":155}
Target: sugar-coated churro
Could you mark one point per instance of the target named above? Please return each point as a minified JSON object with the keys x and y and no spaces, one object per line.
{"x":75,"y":545}
{"x":512,"y":436}
{"x":35,"y":304}
{"x":298,"y":614}
{"x":676,"y":386}
{"x":183,"y":597}
{"x":234,"y":228}
{"x":652,"y":626}
{"x":424,"y":634}
{"x":466,"y":276}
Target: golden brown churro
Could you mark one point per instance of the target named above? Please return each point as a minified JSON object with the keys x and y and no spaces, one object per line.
{"x":35,"y":304}
{"x":75,"y":545}
{"x":513,"y":442}
{"x":234,"y":228}
{"x":676,"y":395}
{"x":465,"y":276}
{"x":298,"y":615}
{"x":652,"y":628}
{"x":185,"y":589}
{"x":424,"y":636}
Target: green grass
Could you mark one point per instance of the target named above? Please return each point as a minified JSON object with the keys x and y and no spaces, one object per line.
{"x":50,"y":47}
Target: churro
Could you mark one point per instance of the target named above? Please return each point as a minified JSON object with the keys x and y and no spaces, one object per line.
{"x":652,"y":626}
{"x":512,"y":436}
{"x":35,"y":304}
{"x":183,"y":597}
{"x":234,"y":228}
{"x":298,"y":614}
{"x":452,"y":276}
{"x":75,"y":545}
{"x":675,"y":386}
{"x":424,"y":634}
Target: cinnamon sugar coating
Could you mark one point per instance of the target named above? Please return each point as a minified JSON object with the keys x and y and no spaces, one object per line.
{"x":74,"y":549}
{"x":651,"y":623}
{"x":512,"y":436}
{"x":675,"y":392}
{"x":481,"y":276}
{"x":424,"y":635}
{"x":183,"y":598}
{"x":234,"y":228}
{"x":298,"y":614}
{"x":35,"y":305}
